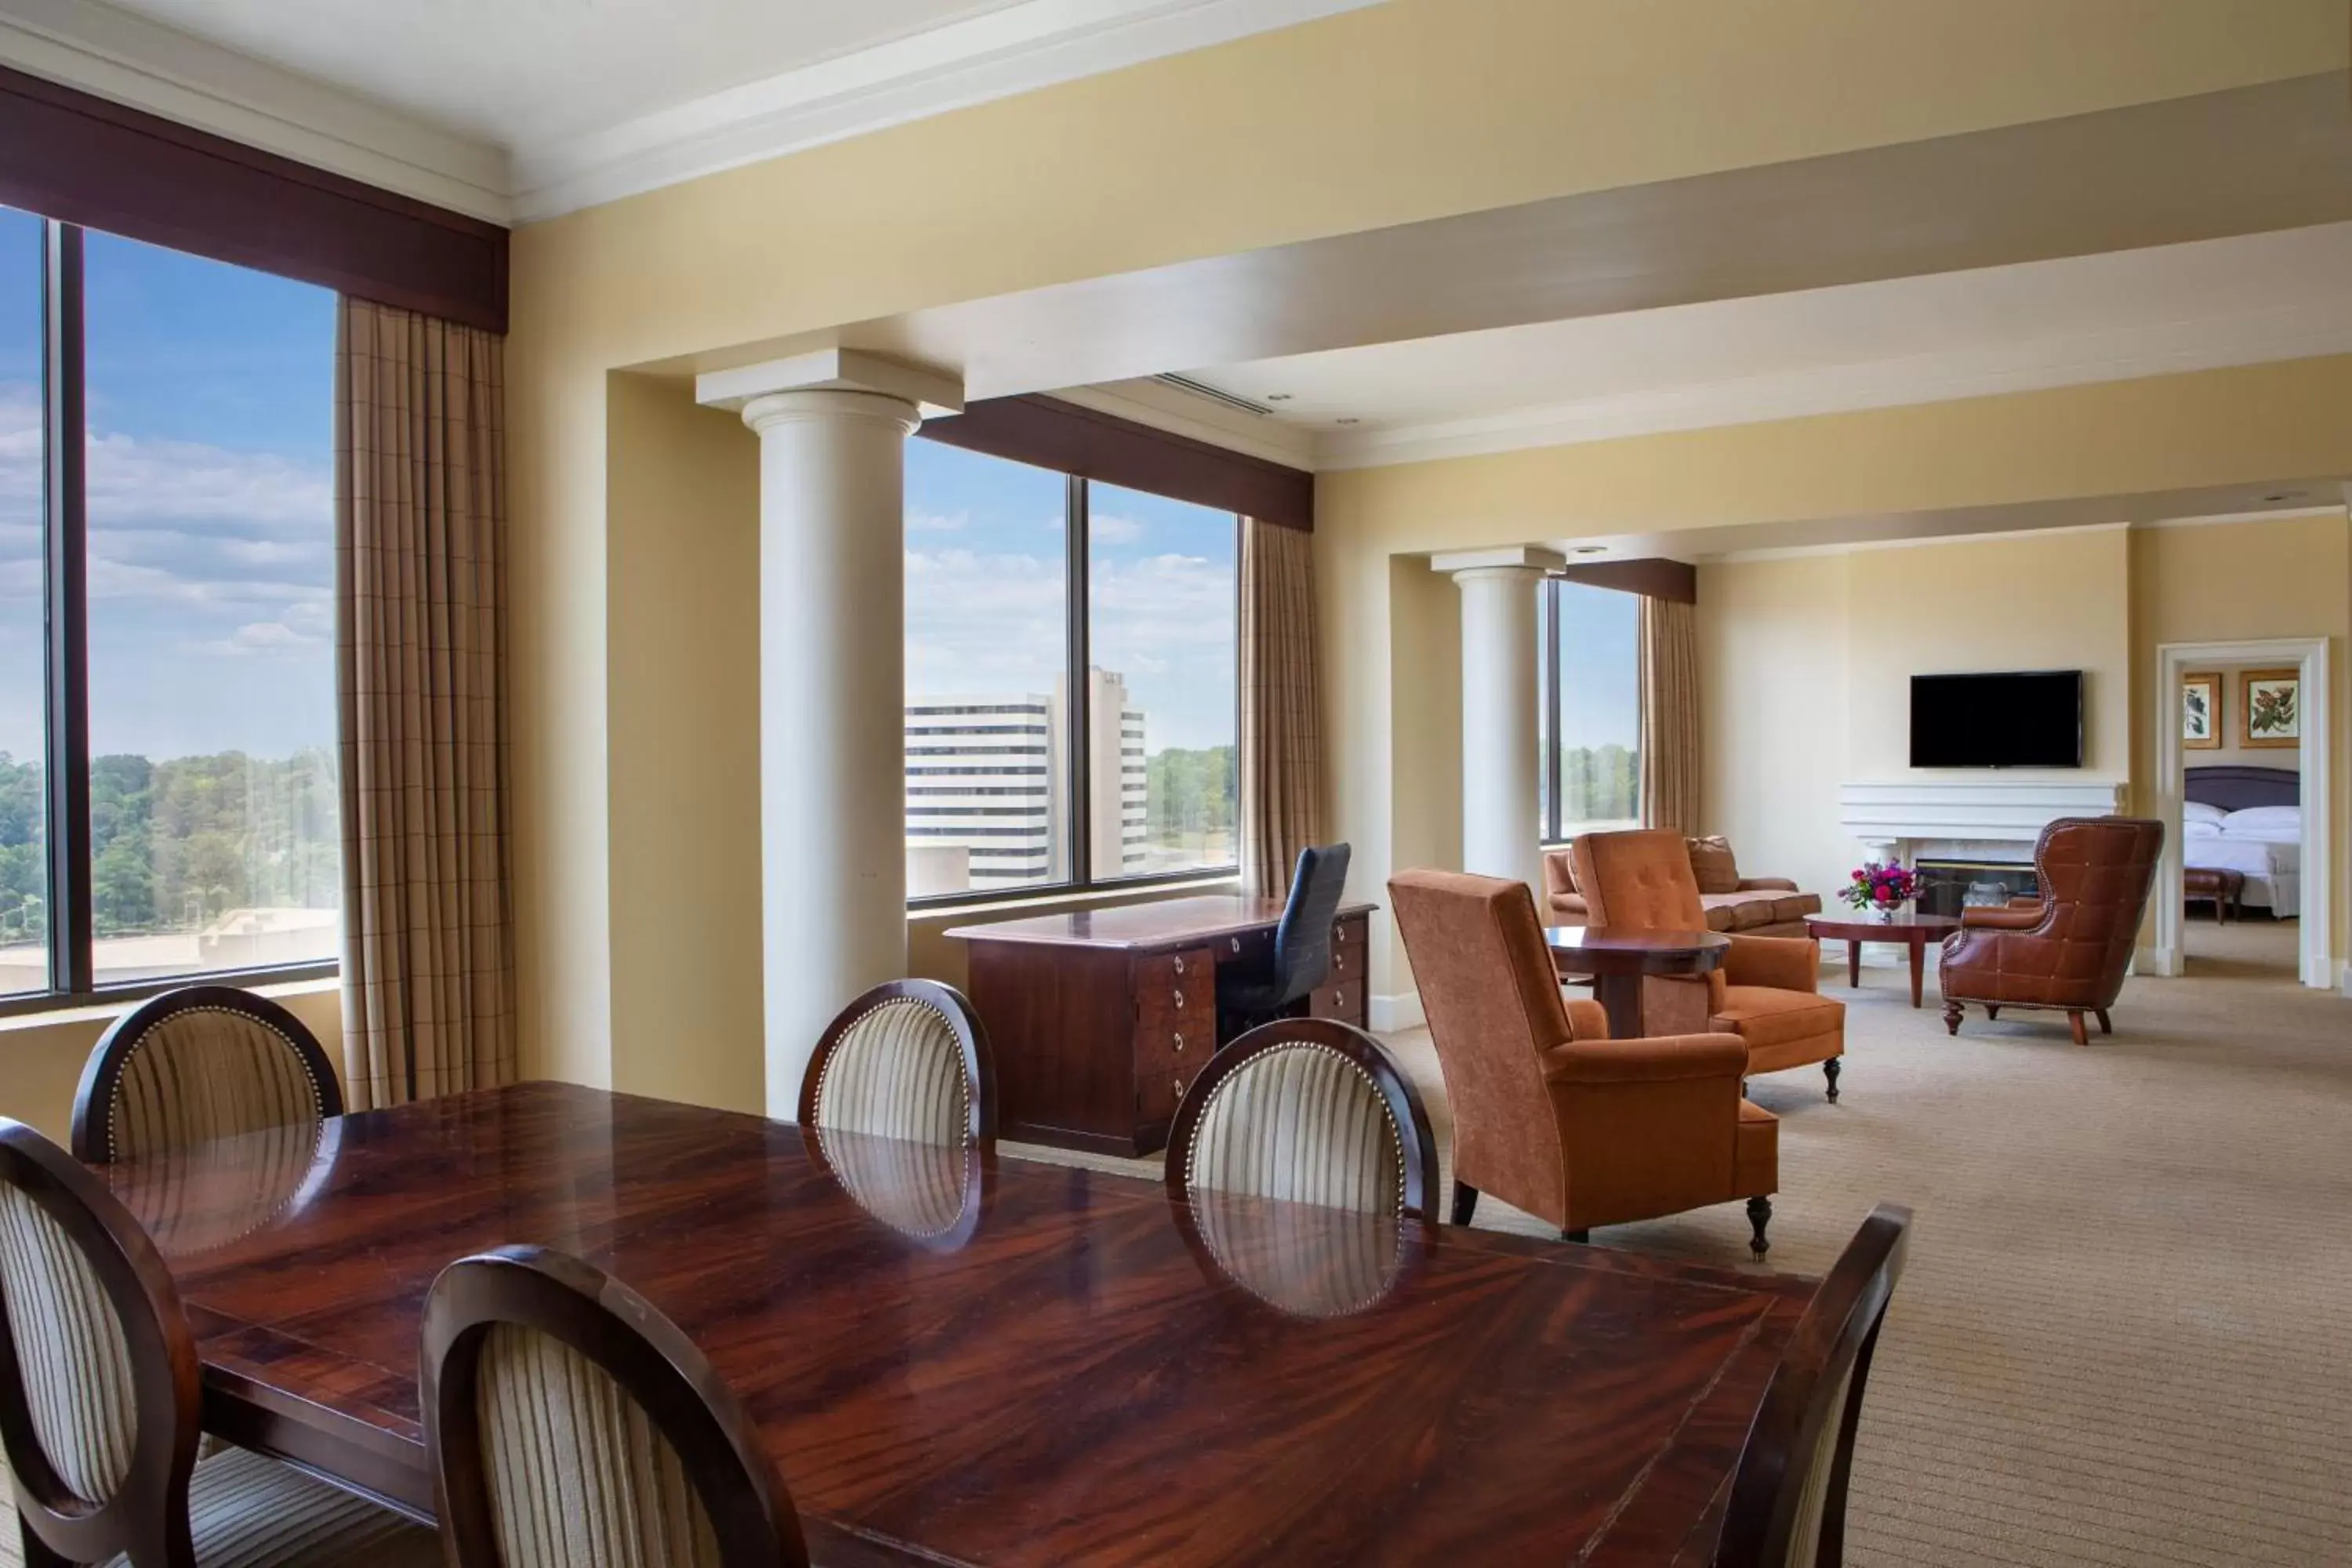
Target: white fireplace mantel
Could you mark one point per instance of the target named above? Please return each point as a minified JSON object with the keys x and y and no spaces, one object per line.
{"x":1977,"y":818}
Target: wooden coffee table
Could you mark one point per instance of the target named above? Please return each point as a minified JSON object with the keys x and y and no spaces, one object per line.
{"x":1617,"y":961}
{"x":1911,"y":931}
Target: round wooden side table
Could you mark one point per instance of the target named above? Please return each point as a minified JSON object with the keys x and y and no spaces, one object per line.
{"x":1617,"y":961}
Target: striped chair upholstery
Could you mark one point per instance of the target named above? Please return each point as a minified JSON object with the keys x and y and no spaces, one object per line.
{"x":1305,"y":1110}
{"x":895,"y":1064}
{"x":71,"y":1349}
{"x":925,"y":1192}
{"x":577,"y":1473}
{"x":198,"y":1064}
{"x":248,"y":1511}
{"x":570,"y":1425}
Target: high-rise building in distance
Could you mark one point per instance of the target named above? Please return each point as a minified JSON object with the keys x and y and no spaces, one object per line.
{"x":988,"y":788}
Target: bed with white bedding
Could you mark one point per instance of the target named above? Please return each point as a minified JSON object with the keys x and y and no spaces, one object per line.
{"x":2248,"y":820}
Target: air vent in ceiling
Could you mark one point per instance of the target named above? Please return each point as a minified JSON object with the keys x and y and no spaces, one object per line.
{"x":1215,"y":394}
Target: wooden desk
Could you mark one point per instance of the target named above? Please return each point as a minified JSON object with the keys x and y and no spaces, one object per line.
{"x":1072,"y":1378}
{"x":1099,"y":1020}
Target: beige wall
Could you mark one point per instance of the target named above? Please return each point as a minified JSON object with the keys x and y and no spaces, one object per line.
{"x":1412,"y":110}
{"x":44,"y":1055}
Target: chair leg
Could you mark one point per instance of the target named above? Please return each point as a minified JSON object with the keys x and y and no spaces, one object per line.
{"x":1759,"y":1214}
{"x":2075,"y":1022}
{"x":1465,"y":1202}
{"x":1992,"y":1011}
{"x":1829,"y":1070}
{"x":1581,"y":1237}
{"x":1952,"y":1012}
{"x":2106,"y":1028}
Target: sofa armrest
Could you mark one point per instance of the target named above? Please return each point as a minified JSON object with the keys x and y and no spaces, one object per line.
{"x":1767,"y":885}
{"x":1572,"y":907}
{"x":1665,"y":1058}
{"x":1979,"y":918}
{"x":1587,"y":1019}
{"x":1781,"y":963}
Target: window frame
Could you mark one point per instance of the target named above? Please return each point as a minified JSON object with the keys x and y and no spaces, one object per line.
{"x":1077,"y":779}
{"x":1552,"y":833}
{"x":65,"y":611}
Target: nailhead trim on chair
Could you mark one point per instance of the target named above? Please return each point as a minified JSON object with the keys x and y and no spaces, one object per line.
{"x":964,"y":1082}
{"x":1398,"y":1133}
{"x":114,"y":1105}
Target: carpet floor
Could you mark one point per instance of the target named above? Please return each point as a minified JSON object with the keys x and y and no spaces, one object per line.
{"x":2125,"y":1337}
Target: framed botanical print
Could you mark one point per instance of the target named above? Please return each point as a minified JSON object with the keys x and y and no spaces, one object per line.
{"x":2201,"y":711}
{"x":2270,"y":707}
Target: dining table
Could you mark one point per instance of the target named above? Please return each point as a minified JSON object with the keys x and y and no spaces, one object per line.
{"x":957,"y":1356}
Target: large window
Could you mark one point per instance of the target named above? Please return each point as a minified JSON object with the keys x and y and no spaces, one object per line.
{"x":1591,"y":715}
{"x":167,"y":728}
{"x":1041,"y":608}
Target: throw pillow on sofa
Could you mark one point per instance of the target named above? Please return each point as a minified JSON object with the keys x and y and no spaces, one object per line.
{"x":1713,"y":865}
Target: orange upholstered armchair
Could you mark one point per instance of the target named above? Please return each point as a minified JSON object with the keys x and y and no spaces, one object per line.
{"x":1549,"y":1114}
{"x":2067,"y":949}
{"x":1768,"y":991}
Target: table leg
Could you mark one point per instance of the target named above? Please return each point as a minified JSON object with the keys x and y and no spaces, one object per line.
{"x":1620,"y":996}
{"x":1919,"y":962}
{"x":1854,"y":965}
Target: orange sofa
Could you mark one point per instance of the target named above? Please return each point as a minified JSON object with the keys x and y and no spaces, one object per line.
{"x":1760,"y":906}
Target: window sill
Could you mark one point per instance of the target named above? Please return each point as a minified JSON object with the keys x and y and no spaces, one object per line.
{"x":115,"y":1006}
{"x":1092,"y":898}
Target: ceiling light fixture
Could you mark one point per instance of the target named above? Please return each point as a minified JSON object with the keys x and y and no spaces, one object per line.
{"x":1350,"y":419}
{"x":1592,"y":550}
{"x":1277,"y":397}
{"x":2286,"y":495}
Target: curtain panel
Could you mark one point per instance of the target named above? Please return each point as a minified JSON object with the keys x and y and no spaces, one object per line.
{"x":1282,"y":710}
{"x":1669,"y":663}
{"x":420,"y":655}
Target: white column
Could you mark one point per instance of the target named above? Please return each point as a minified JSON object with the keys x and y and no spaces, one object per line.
{"x":1501,"y":797}
{"x":833,"y":833}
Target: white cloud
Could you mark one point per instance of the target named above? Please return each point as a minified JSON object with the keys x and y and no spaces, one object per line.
{"x":1108,"y":528}
{"x":937,"y":521}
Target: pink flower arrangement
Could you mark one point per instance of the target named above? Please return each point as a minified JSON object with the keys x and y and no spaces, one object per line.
{"x":1882,"y":885}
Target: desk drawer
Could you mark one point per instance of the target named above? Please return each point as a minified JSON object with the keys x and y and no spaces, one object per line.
{"x":1175,"y":1026}
{"x":1347,"y":946}
{"x":1340,"y":999}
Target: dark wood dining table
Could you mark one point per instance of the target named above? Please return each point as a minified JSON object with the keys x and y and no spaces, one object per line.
{"x":958,"y":1358}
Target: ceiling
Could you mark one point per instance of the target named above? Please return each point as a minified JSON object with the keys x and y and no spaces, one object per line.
{"x":518,"y":109}
{"x":512,"y":72}
{"x":1908,"y":340}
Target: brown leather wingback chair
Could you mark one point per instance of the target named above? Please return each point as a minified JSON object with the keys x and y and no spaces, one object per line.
{"x":1768,"y":991}
{"x":1549,"y":1114}
{"x":2068,"y":947}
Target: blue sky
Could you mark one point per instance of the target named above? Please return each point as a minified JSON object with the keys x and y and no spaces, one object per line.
{"x":986,"y":594}
{"x":1600,"y":685}
{"x":210,"y":471}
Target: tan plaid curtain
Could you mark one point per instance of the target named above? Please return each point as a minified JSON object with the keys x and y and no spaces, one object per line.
{"x":1669,"y":714}
{"x":420,"y":630}
{"x":1282,"y":711}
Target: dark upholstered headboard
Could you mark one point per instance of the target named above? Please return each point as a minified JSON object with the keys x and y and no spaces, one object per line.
{"x":2235,"y":788}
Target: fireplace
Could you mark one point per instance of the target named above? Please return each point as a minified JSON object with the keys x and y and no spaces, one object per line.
{"x":1946,"y":887}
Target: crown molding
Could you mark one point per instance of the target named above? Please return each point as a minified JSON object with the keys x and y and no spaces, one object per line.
{"x":1138,"y":401}
{"x":1909,"y":542}
{"x":1019,"y":48}
{"x":1023,"y":48}
{"x":2128,"y":354}
{"x":2284,"y":514}
{"x":147,"y":66}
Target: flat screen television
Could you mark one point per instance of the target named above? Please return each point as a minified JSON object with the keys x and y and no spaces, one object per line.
{"x":2020,"y":719}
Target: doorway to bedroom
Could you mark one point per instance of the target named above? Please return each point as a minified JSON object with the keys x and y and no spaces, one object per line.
{"x":2242,"y":786}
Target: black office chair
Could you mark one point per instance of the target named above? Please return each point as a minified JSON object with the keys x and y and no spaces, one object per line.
{"x":1248,"y":997}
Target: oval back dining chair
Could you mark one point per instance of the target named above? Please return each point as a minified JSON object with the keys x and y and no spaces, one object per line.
{"x":99,"y":1400}
{"x":1308,"y":1111}
{"x":908,"y":1059}
{"x":195,"y":1064}
{"x":569,"y":1422}
{"x":1788,"y":1497}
